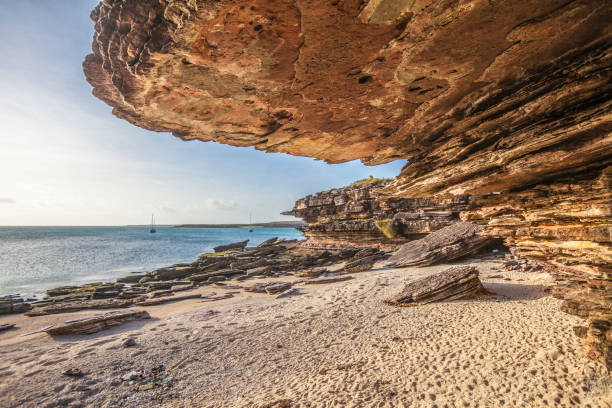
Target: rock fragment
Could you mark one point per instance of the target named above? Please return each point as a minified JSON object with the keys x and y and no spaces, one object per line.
{"x":235,"y":245}
{"x":457,"y":282}
{"x":443,"y":245}
{"x":97,"y":323}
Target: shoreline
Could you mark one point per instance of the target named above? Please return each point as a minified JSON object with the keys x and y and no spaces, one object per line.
{"x":40,"y":261}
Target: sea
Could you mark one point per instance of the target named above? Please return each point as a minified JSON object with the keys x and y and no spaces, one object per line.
{"x":34,"y":259}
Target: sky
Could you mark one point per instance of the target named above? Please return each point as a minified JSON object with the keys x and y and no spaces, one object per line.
{"x":65,"y":160}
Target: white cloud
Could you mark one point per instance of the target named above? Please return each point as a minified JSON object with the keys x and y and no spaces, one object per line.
{"x":165,"y":208}
{"x":224,"y":205}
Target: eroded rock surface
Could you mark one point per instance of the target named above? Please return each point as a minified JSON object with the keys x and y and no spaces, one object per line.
{"x":362,"y":215}
{"x":446,"y":244}
{"x":480,"y":96}
{"x":457,"y":282}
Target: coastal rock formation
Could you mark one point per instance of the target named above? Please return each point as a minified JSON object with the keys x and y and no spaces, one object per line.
{"x":361,"y":215}
{"x":457,"y":282}
{"x":482,"y":97}
{"x":446,"y":244}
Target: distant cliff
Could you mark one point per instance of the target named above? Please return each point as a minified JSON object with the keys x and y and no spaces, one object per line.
{"x":358,"y":215}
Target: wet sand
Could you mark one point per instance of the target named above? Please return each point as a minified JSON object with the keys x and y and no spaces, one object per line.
{"x":332,"y":345}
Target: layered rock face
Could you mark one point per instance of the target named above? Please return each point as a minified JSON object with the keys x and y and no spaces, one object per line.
{"x":482,"y":97}
{"x":360,"y":216}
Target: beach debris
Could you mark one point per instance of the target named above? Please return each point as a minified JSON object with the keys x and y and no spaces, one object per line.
{"x":446,"y":244}
{"x":6,"y":326}
{"x":235,"y":245}
{"x":457,"y":282}
{"x":129,"y":342}
{"x":97,"y":323}
{"x":327,"y":279}
{"x":159,"y":301}
{"x":74,"y":372}
{"x":147,"y":379}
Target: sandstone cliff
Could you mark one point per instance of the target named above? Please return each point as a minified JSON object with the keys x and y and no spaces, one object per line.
{"x":482,"y":96}
{"x":358,"y":215}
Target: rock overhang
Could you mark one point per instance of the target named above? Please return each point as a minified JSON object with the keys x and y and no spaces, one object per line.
{"x":479,"y":96}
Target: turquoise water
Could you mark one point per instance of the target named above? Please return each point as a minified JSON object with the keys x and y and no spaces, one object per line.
{"x":33,"y":259}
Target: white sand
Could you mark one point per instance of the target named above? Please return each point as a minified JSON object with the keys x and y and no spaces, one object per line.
{"x":335,"y":345}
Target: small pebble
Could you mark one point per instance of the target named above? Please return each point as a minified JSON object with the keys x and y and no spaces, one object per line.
{"x":129,"y":342}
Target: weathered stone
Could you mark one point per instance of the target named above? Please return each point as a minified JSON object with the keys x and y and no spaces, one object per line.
{"x":277,"y":287}
{"x":135,"y":278}
{"x":180,"y":272}
{"x":233,"y":246}
{"x":181,"y":287}
{"x":159,"y":301}
{"x":327,"y":279}
{"x":267,"y":242}
{"x":361,"y":215}
{"x":457,"y":282}
{"x":6,"y":326}
{"x":97,"y":323}
{"x":258,"y":271}
{"x":157,"y":285}
{"x":13,"y":305}
{"x":361,"y":264}
{"x":287,"y":292}
{"x":73,"y":306}
{"x":129,"y":342}
{"x":312,"y":273}
{"x":446,"y":244}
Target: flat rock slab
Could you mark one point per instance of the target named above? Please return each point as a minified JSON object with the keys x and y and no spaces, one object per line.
{"x":446,"y":244}
{"x":362,"y":264}
{"x":327,"y":279}
{"x":97,"y":323}
{"x":74,"y":306}
{"x":153,"y":302}
{"x":287,"y":293}
{"x":457,"y":282}
{"x":6,"y":326}
{"x":235,"y":245}
{"x":278,"y":287}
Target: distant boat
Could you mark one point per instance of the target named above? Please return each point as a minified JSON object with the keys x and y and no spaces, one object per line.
{"x":250,"y":222}
{"x":152,"y":230}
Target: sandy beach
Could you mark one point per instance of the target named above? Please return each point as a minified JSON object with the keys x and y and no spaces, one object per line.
{"x":331,"y":345}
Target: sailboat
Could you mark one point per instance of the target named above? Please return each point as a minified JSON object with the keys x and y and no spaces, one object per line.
{"x":152,"y":230}
{"x":250,"y":222}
